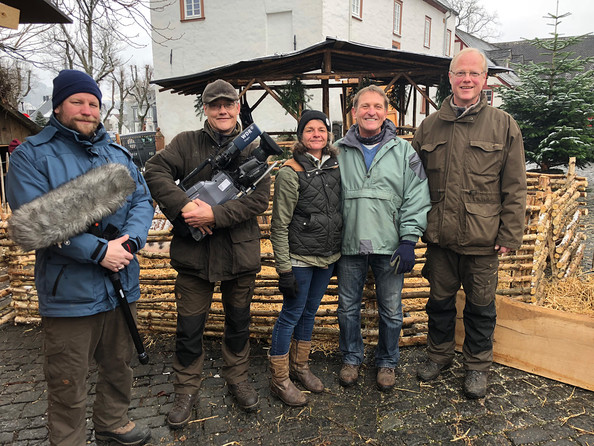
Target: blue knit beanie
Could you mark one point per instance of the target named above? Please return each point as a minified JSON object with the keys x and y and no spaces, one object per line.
{"x":69,"y":82}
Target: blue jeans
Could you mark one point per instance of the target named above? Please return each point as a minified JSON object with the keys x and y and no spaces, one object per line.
{"x":352,"y":272}
{"x":297,"y":315}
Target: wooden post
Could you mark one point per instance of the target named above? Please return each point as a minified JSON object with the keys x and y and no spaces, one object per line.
{"x":159,"y":140}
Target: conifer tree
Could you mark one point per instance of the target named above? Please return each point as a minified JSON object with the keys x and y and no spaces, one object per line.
{"x":554,"y":105}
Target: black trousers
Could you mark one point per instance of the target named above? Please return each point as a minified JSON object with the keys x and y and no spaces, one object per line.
{"x":193,"y":297}
{"x":446,"y":270}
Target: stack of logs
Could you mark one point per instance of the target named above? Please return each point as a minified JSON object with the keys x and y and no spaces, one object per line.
{"x":6,"y":307}
{"x":552,"y":241}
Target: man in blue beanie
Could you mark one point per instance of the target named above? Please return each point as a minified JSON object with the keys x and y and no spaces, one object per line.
{"x":81,"y":317}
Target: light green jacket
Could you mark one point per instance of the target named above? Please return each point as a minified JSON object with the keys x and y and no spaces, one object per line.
{"x":385,"y":204}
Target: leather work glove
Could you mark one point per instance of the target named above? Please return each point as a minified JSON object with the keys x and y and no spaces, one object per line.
{"x":287,"y":284}
{"x":403,"y":259}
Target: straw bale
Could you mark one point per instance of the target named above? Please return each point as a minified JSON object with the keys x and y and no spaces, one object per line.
{"x":571,"y":294}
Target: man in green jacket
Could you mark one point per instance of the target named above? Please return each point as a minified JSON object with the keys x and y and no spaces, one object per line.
{"x":474,"y":158}
{"x":386,"y":200}
{"x":229,"y":254}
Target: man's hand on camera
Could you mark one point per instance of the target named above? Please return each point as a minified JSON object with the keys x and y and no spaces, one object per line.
{"x":198,"y":214}
{"x":287,"y":284}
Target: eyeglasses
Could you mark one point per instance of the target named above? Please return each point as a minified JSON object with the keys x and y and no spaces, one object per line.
{"x":472,"y":74}
{"x":227,"y":105}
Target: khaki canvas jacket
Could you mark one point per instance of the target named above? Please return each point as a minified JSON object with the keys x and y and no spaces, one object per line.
{"x":234,"y":247}
{"x":477,"y":178}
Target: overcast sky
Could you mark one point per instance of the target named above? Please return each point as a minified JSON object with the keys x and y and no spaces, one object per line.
{"x":520,"y":19}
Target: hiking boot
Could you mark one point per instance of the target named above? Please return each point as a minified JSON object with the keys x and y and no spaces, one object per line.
{"x":245,"y":395}
{"x":428,"y":370}
{"x":349,"y":374}
{"x":125,"y":435}
{"x":475,"y":384}
{"x":181,"y":412}
{"x":386,"y":378}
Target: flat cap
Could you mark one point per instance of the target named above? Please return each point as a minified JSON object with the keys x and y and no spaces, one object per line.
{"x":219,"y":89}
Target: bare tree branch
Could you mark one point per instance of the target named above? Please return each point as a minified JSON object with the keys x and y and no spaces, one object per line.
{"x":475,"y":19}
{"x":141,"y":91}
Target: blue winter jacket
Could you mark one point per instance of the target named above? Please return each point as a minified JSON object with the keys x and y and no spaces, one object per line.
{"x":69,"y":280}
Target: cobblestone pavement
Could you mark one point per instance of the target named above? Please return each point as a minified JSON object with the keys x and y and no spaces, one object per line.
{"x":520,"y":409}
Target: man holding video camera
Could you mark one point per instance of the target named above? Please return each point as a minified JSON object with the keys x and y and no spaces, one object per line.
{"x":230,"y":253}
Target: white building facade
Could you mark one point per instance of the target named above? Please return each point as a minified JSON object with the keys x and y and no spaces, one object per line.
{"x":206,"y":34}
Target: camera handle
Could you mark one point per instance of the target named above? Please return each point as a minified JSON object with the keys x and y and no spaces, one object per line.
{"x":111,"y":233}
{"x":117,"y":284}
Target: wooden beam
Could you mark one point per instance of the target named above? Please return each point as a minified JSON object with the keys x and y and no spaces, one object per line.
{"x":420,"y":91}
{"x":9,"y":16}
{"x":550,"y":343}
{"x":393,"y":81}
{"x":247,"y":87}
{"x":272,"y":93}
{"x":385,"y":59}
{"x":325,"y":90}
{"x":241,"y":79}
{"x":260,"y":99}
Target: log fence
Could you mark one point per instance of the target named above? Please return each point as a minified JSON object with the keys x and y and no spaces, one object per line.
{"x":553,"y":245}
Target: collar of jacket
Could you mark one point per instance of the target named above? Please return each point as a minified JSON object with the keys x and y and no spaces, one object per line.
{"x":446,"y":113}
{"x":213,"y":134}
{"x":308,"y":164}
{"x":100,"y":133}
{"x":350,"y":139}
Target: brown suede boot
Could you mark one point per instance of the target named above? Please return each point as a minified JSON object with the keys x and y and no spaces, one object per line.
{"x":281,"y":385}
{"x":299,"y":366}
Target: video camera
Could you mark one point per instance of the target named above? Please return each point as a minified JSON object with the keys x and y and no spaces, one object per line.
{"x":228,"y":185}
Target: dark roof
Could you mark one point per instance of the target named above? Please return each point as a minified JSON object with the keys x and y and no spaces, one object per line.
{"x":474,"y":42}
{"x":523,"y":51}
{"x":38,"y":11}
{"x":345,"y":60}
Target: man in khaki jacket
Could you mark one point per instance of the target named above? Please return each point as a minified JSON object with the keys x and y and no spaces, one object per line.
{"x":473,"y":155}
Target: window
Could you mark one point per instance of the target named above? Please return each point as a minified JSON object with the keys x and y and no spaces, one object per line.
{"x":489,"y":94}
{"x":356,"y":7}
{"x":192,"y":9}
{"x":397,"y":17}
{"x":448,"y":44}
{"x":395,"y":45}
{"x":427,"y":41}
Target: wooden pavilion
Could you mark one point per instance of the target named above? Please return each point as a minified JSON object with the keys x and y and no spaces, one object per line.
{"x":326,"y":65}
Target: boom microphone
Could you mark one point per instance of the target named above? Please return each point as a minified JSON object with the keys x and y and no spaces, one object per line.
{"x":71,"y":208}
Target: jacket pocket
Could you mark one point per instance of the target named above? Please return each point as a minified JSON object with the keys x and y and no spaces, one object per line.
{"x":434,"y":217}
{"x":57,"y":281}
{"x":246,"y":249}
{"x":54,"y":359}
{"x":68,"y":283}
{"x":434,"y":158}
{"x":484,"y":158}
{"x":482,"y":224}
